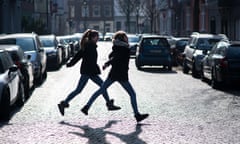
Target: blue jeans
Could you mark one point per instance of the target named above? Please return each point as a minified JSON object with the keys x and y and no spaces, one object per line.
{"x":81,"y":84}
{"x":125,"y":84}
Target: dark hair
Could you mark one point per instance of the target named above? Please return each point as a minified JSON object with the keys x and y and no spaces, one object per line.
{"x":119,"y":35}
{"x":87,"y":36}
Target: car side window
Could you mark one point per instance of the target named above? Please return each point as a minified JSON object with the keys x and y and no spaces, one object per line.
{"x":6,"y":61}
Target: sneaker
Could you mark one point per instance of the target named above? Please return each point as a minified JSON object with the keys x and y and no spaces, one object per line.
{"x":85,"y":110}
{"x":140,"y":117}
{"x":111,"y":106}
{"x":61,"y":108}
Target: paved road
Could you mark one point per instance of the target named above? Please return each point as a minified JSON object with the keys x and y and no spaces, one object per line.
{"x":182,"y":110}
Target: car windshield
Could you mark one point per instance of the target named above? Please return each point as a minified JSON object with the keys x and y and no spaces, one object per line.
{"x":206,"y":43}
{"x":234,"y":52}
{"x":47,"y":42}
{"x":27,"y":44}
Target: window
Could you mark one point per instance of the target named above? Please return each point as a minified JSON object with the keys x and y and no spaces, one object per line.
{"x":96,"y":11}
{"x":107,"y":11}
{"x":85,"y":11}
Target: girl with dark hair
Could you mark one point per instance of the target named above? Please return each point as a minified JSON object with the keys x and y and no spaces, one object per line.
{"x":119,"y":60}
{"x":89,"y":69}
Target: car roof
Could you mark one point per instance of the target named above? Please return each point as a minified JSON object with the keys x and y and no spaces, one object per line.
{"x":154,"y":36}
{"x":52,"y":35}
{"x":208,"y":35}
{"x":17,"y":35}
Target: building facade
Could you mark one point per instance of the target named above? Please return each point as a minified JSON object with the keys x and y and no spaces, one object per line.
{"x":182,"y":17}
{"x":92,"y":14}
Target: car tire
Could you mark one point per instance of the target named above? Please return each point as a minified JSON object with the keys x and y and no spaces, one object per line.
{"x":5,"y":105}
{"x":214,"y":83}
{"x":185,"y":67}
{"x":137,"y":64}
{"x":195,"y":73}
{"x":21,"y":95}
{"x":170,"y":67}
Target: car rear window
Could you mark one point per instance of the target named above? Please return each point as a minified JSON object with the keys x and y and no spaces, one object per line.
{"x":155,"y":43}
{"x":234,"y":52}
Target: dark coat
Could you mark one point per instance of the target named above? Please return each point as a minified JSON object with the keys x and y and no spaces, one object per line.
{"x":119,"y":59}
{"x":89,"y":56}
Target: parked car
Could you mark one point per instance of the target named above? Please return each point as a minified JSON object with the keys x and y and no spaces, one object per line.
{"x":24,"y":65}
{"x":153,"y":50}
{"x":31,"y":45}
{"x":178,"y":49}
{"x":11,"y":86}
{"x":66,"y":51}
{"x":193,"y":52}
{"x":73,"y":43}
{"x":108,"y":36}
{"x":53,"y":51}
{"x":222,"y":64}
{"x":133,"y":40}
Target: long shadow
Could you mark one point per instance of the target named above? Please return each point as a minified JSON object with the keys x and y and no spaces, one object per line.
{"x":93,"y":134}
{"x":130,"y":138}
{"x":157,"y":70}
{"x":99,"y":134}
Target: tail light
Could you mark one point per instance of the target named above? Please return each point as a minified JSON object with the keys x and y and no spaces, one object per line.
{"x":224,"y":62}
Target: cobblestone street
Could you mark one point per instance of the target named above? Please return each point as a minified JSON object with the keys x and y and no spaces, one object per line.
{"x":182,"y":110}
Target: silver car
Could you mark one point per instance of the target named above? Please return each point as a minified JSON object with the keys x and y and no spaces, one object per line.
{"x":11,"y":86}
{"x":32,"y":47}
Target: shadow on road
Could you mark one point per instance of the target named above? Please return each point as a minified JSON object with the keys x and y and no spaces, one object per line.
{"x":158,"y":70}
{"x":98,"y":135}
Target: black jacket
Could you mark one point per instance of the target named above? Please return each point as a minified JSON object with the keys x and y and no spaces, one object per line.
{"x":89,"y":56}
{"x":119,"y":59}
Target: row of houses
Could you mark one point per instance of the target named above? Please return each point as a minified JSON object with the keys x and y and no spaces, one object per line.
{"x":165,"y":17}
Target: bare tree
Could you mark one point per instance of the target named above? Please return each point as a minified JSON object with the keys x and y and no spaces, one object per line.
{"x":127,"y":7}
{"x":151,"y":10}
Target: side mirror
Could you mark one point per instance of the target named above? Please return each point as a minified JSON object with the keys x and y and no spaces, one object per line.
{"x":12,"y":69}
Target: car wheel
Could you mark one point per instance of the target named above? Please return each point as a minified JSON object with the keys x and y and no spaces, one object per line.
{"x":26,"y":87}
{"x":5,"y":105}
{"x":137,"y":64}
{"x":214,"y":83}
{"x":170,"y":67}
{"x":21,"y":95}
{"x":195,"y":73}
{"x":185,"y":67}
